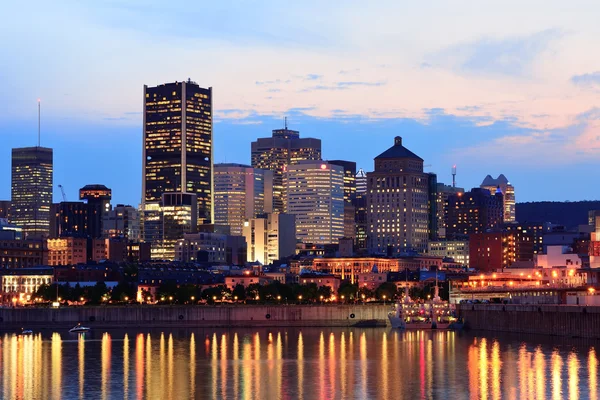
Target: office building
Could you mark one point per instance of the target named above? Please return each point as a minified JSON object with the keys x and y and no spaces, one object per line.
{"x":31,"y":190}
{"x":177,"y":149}
{"x":211,"y":248}
{"x":360,"y":209}
{"x":23,"y":253}
{"x":397,"y":202}
{"x":284,"y":148}
{"x":18,"y":286}
{"x":442,"y":193}
{"x":178,"y":218}
{"x":508,"y":193}
{"x":458,"y":250}
{"x":123,"y":221}
{"x":491,"y":251}
{"x":315,"y":195}
{"x":71,"y":219}
{"x":67,"y":251}
{"x":5,"y":209}
{"x":241,"y":193}
{"x":349,"y":196}
{"x":473,"y":212}
{"x":10,"y":231}
{"x":270,"y":237}
{"x":97,"y":200}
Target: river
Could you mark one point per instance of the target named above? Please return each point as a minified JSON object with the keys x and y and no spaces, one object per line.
{"x":308,"y":363}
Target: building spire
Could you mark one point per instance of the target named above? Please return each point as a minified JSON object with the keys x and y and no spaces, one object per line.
{"x":39,"y":121}
{"x":285,"y":123}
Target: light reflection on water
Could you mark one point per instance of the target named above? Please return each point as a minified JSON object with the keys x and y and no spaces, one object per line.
{"x":293,"y":363}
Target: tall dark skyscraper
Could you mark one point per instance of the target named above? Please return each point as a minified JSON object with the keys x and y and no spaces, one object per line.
{"x":97,"y":198}
{"x":277,"y":152}
{"x":178,"y":147}
{"x":31,"y":190}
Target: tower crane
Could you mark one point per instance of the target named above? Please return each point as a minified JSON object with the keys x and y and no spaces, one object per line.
{"x":62,"y":191}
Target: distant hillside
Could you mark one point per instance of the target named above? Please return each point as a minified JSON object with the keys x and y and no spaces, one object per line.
{"x":569,"y":214}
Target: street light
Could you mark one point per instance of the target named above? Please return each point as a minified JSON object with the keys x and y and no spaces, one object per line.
{"x":300,"y":298}
{"x":321,"y":297}
{"x":384,"y":299}
{"x":278,"y":297}
{"x":126,"y":298}
{"x":170,"y":298}
{"x":193,"y":298}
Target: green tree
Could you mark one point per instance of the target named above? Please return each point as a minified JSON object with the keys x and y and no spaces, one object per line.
{"x":239,"y":291}
{"x":325,"y":292}
{"x":364,"y":293}
{"x":123,"y":290}
{"x":387,"y":289}
{"x":97,"y":292}
{"x":348,"y":290}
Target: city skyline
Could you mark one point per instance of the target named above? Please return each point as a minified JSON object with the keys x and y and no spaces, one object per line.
{"x":480,"y":95}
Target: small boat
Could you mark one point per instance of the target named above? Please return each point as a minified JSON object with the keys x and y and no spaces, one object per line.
{"x":26,"y":331}
{"x":79,"y":329}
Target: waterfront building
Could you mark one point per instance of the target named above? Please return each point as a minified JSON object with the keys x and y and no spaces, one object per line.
{"x":211,"y":248}
{"x":23,"y":253}
{"x":284,"y":148}
{"x":558,"y":256}
{"x":122,"y":221}
{"x":31,"y":190}
{"x":473,"y":212}
{"x":397,"y":202}
{"x":245,"y":280}
{"x":241,"y":193}
{"x":458,"y":250}
{"x":97,"y":200}
{"x":20,"y":285}
{"x":442,"y":193}
{"x":529,"y":238}
{"x":270,"y":237}
{"x":315,"y":195}
{"x":491,"y":251}
{"x":508,"y":192}
{"x":177,"y":151}
{"x":349,"y":196}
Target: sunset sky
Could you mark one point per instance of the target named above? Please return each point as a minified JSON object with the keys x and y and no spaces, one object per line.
{"x":493,"y":86}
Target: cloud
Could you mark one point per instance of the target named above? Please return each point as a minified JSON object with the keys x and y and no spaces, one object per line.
{"x":312,"y":77}
{"x":323,"y":87}
{"x":273,"y":90}
{"x":349,"y":84}
{"x":349,"y":71}
{"x":586,"y":80}
{"x":512,"y":56}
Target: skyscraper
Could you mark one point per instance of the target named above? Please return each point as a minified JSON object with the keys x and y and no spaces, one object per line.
{"x":397,"y":202}
{"x":31,"y":190}
{"x":241,"y":192}
{"x":360,"y":217}
{"x":508,"y":191}
{"x":97,"y":199}
{"x":473,"y":212}
{"x":177,"y":148}
{"x":270,"y":237}
{"x":315,"y":195}
{"x":349,"y":196}
{"x":282,"y":149}
{"x":442,"y":193}
{"x":178,"y":217}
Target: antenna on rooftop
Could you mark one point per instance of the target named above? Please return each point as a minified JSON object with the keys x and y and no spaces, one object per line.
{"x":285,"y":123}
{"x":39,"y":121}
{"x":454,"y":176}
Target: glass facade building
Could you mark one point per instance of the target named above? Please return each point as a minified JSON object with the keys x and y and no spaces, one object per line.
{"x":284,"y":148}
{"x":177,"y":147}
{"x":31,"y":190}
{"x":315,"y":195}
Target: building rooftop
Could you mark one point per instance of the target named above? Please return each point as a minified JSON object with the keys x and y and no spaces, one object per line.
{"x":398,"y":151}
{"x":500,"y":180}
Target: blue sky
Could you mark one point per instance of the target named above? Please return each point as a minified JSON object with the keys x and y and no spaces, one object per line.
{"x":494,"y":87}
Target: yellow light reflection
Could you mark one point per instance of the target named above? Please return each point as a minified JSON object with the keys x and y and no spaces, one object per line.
{"x":556,"y":361}
{"x":363,"y":364}
{"x":126,"y":366}
{"x":139,"y":366}
{"x":539,"y":365}
{"x":573,"y":376}
{"x":300,"y":358}
{"x":192,"y":366}
{"x":81,"y":359}
{"x":593,"y":374}
{"x":56,"y":364}
{"x":106,"y":354}
{"x":496,"y":366}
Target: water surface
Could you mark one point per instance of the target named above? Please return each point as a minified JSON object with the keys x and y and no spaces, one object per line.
{"x":295,"y":363}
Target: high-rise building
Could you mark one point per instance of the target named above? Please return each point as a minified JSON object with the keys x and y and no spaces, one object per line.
{"x":241,"y":193}
{"x":491,"y":251}
{"x":360,"y":205}
{"x":211,"y":248}
{"x":31,"y":190}
{"x":177,"y":149}
{"x":4,"y":209}
{"x":397,"y":202}
{"x":442,"y":193}
{"x":473,"y":212}
{"x":508,"y":193}
{"x":315,"y":195}
{"x":97,"y":199}
{"x":71,"y":219}
{"x":270,"y":237}
{"x":284,"y":148}
{"x":349,"y":196}
{"x":458,"y":250}
{"x":178,"y":214}
{"x":122,"y":221}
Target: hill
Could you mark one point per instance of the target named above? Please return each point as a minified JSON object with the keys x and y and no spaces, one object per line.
{"x":569,"y":214}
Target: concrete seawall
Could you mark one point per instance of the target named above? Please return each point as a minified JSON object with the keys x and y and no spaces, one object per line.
{"x":201,"y":316}
{"x":556,"y":320}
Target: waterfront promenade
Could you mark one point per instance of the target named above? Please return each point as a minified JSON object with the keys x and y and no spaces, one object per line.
{"x":221,"y":316}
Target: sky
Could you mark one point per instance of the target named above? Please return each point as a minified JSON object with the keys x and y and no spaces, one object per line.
{"x":494,"y":87}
